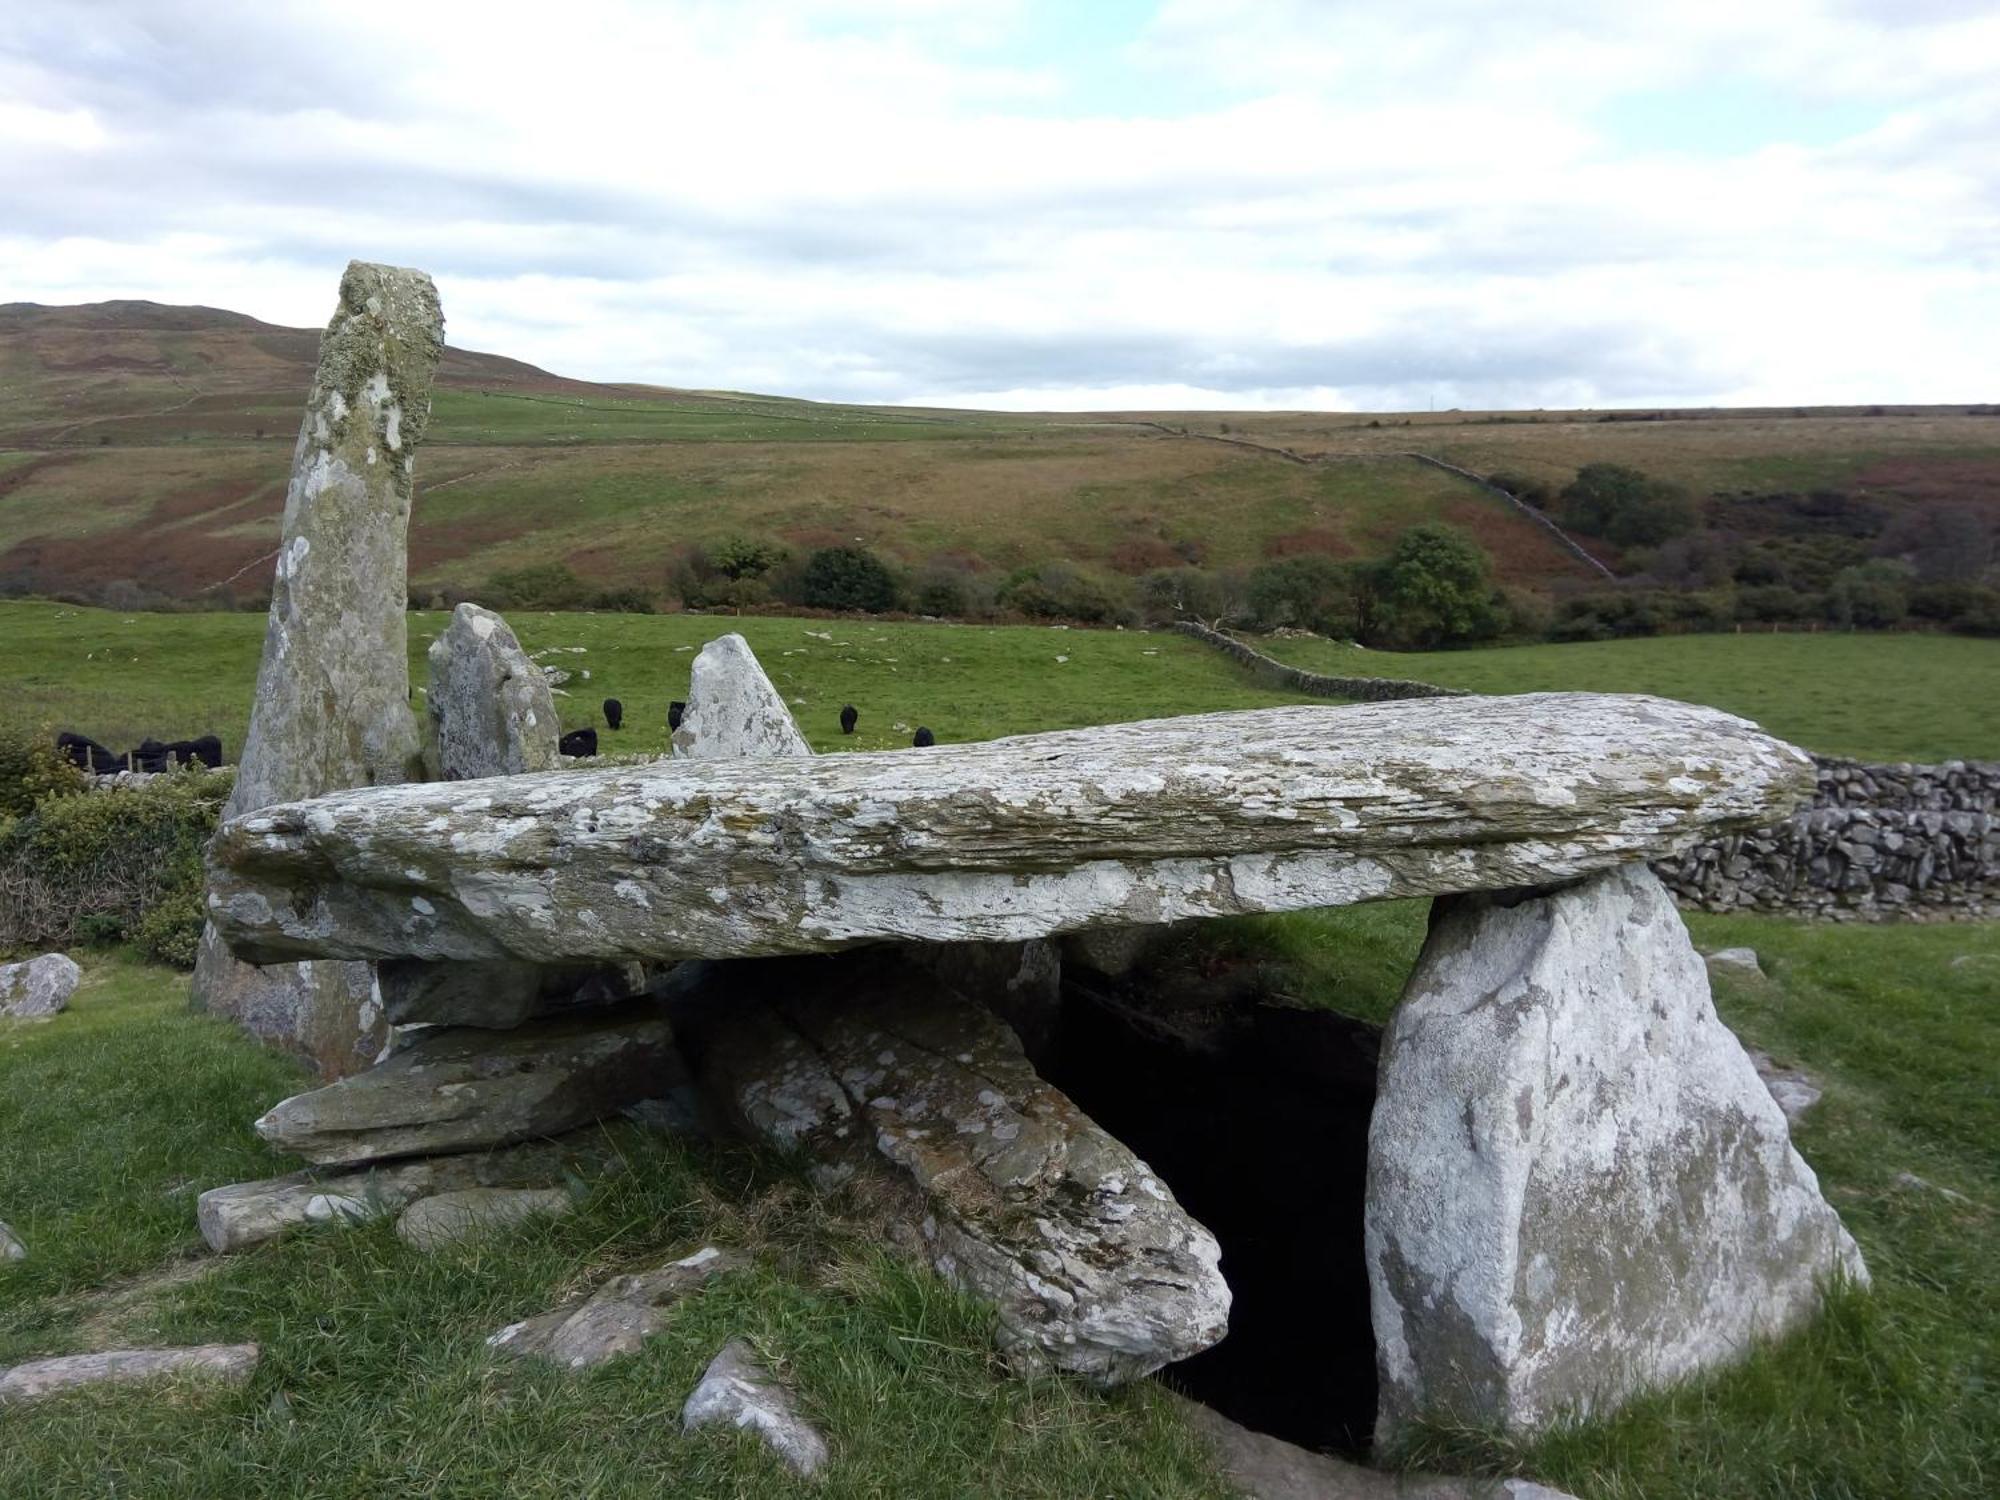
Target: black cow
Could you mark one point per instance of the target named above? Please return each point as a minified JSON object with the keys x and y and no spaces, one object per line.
{"x":847,"y":719}
{"x":206,"y":748}
{"x":614,"y":713}
{"x":87,"y":755}
{"x":578,"y":742}
{"x":676,"y":711}
{"x":925,"y":739}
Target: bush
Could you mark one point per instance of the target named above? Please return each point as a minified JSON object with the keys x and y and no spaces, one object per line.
{"x":1872,"y":596}
{"x":625,"y":601}
{"x":1169,"y":594}
{"x":1061,"y":591}
{"x":1529,"y":491}
{"x":121,"y":864}
{"x":848,"y":578}
{"x":538,"y":586}
{"x":30,"y":770}
{"x":1312,"y":592}
{"x":1435,"y":589}
{"x":1625,"y":507}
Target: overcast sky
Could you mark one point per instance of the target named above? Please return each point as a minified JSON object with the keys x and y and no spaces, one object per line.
{"x":1056,"y":203}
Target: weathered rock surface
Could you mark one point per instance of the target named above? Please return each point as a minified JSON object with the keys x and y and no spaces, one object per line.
{"x":490,"y":707}
{"x":331,"y":708}
{"x":737,"y":1391}
{"x":867,"y":1062}
{"x":463,"y":1089}
{"x":499,"y":995}
{"x":244,"y":1214}
{"x":616,"y":1318}
{"x":1792,"y":1088}
{"x":1211,"y":815}
{"x":732,"y":710}
{"x":473,"y":1213}
{"x":38,"y":988}
{"x":11,"y":1247}
{"x":1578,"y":1186}
{"x":39,"y":1378}
{"x":1738,"y":961}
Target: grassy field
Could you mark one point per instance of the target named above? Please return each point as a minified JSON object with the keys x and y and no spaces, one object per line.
{"x":119,"y":677}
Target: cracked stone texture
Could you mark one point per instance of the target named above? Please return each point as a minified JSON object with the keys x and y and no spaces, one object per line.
{"x":461,"y":1088}
{"x":490,"y":707}
{"x":332,"y":704}
{"x":37,"y":988}
{"x":474,"y":1213}
{"x":499,"y":995}
{"x":38,"y":1378}
{"x":1578,"y":1187}
{"x":1128,"y":824}
{"x":616,"y":1318}
{"x":737,"y":1391}
{"x":871,"y":1067}
{"x":733,"y":711}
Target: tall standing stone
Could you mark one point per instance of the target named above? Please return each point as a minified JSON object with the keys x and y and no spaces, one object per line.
{"x":733,"y":711}
{"x":490,"y":707}
{"x":1578,"y":1187}
{"x":332,"y":707}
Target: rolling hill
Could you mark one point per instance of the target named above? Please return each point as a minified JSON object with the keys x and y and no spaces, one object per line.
{"x":150,"y":443}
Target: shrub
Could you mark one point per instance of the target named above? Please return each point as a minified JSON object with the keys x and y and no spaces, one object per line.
{"x":538,"y":586}
{"x":1168,"y":594}
{"x":1061,"y":591}
{"x":1310,"y":591}
{"x":1528,"y":490}
{"x":847,"y":578}
{"x":30,"y":770}
{"x":1870,"y":596}
{"x":1436,"y":590}
{"x":1625,"y":507}
{"x":628,"y":601}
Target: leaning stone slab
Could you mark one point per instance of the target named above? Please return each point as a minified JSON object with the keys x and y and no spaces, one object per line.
{"x":737,"y":1391}
{"x":38,"y":988}
{"x":870,"y":1067}
{"x":733,"y":711}
{"x":1578,"y":1187}
{"x":616,"y":1318}
{"x":331,"y":708}
{"x":40,"y":1378}
{"x":1130,"y":824}
{"x":463,"y":1089}
{"x":477,"y":1213}
{"x":490,"y":708}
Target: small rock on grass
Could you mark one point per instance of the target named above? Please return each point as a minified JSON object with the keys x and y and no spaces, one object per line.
{"x":1739,"y":961}
{"x":616,"y":1318}
{"x":50,"y":1377}
{"x":451,"y":1218}
{"x":1794,"y":1091}
{"x":1913,"y":1182}
{"x":36,"y":989}
{"x":737,"y":1391}
{"x":11,"y":1247}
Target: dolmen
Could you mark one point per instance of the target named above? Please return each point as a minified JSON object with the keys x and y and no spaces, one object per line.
{"x":1577,"y":1187}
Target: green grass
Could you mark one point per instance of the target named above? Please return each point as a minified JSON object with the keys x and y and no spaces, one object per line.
{"x":1874,"y":697}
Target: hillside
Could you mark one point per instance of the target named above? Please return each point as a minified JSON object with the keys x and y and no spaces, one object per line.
{"x":150,"y":444}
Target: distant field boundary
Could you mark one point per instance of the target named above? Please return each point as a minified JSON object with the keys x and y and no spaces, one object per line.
{"x":1569,"y":542}
{"x":1296,"y":679}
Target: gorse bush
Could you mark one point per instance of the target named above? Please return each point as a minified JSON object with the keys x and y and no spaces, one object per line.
{"x":848,"y":578}
{"x":30,"y":770}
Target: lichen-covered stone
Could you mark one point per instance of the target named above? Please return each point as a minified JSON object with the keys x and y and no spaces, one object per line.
{"x":499,"y":995}
{"x":474,"y":1213}
{"x":737,"y":1391}
{"x":1578,"y":1187}
{"x":732,"y":710}
{"x":37,"y":988}
{"x":460,"y":1088}
{"x":490,"y":708}
{"x":1130,"y":824}
{"x":615,"y":1319}
{"x":332,"y":703}
{"x":872,"y":1068}
{"x":39,"y":1378}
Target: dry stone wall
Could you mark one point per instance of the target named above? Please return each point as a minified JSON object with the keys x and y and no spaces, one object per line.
{"x":1359,"y":689}
{"x":1878,"y":841}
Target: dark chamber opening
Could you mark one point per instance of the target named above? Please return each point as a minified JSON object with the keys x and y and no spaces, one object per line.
{"x":1256,"y":1115}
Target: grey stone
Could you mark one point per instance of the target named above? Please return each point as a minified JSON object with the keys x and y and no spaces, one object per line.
{"x":475,"y":1213}
{"x":11,"y":1247}
{"x":461,"y":1089}
{"x":1793,"y":1089}
{"x":331,"y":708}
{"x":1129,"y":824}
{"x":40,"y":1378}
{"x":737,"y":1391}
{"x":1740,"y":961}
{"x":499,"y":995}
{"x":490,"y":708}
{"x":38,"y":988}
{"x":733,"y":711}
{"x":616,"y":1318}
{"x":1914,"y":1183}
{"x":874,"y":1071}
{"x":1578,"y":1187}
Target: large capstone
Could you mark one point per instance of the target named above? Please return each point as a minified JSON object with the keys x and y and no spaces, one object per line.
{"x":1130,"y":824}
{"x":1578,"y":1186}
{"x":732,"y":709}
{"x":332,"y":704}
{"x":490,"y":708}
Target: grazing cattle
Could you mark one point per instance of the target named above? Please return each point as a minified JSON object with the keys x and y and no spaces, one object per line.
{"x":847,"y":719}
{"x":205,"y":748}
{"x":925,"y":739}
{"x":87,"y":754}
{"x":614,"y":713}
{"x":578,"y":742}
{"x":675,"y":711}
{"x":148,"y":755}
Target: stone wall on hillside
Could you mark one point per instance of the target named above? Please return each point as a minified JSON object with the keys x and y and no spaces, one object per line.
{"x":1297,"y":680}
{"x":1878,"y":841}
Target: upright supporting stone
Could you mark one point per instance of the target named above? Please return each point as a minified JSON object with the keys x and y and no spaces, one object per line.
{"x":732,"y":709}
{"x":332,"y":706}
{"x":1578,"y":1188}
{"x":491,"y":711}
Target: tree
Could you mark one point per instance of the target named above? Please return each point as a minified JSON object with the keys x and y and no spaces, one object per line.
{"x":848,"y":578}
{"x":1625,"y":506}
{"x":1436,"y":588}
{"x":1309,"y":590}
{"x":1871,"y":596}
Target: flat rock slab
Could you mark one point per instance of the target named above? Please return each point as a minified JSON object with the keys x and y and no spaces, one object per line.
{"x":1129,"y":824}
{"x":41,"y":1378}
{"x":461,"y":1088}
{"x":476,"y":1213}
{"x":38,"y":988}
{"x":616,"y":1318}
{"x":737,"y":1391}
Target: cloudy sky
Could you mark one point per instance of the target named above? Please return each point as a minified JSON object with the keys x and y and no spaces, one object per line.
{"x":1056,"y":203}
